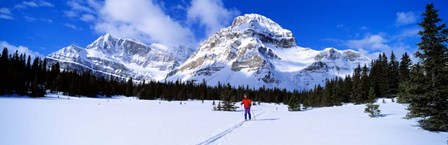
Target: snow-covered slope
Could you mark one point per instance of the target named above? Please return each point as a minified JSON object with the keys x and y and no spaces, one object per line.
{"x":258,"y":52}
{"x":122,"y":58}
{"x":126,"y":121}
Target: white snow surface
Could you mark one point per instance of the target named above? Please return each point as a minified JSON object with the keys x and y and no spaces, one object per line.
{"x":67,"y":120}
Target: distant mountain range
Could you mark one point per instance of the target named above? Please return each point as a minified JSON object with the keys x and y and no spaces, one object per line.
{"x":122,"y":58}
{"x":254,"y":51}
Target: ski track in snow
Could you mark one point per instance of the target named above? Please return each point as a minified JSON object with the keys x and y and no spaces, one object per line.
{"x":220,"y":135}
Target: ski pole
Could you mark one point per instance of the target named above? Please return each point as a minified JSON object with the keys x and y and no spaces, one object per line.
{"x":243,"y":114}
{"x":254,"y":115}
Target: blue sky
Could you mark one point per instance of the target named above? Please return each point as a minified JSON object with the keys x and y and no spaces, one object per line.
{"x":369,"y":26}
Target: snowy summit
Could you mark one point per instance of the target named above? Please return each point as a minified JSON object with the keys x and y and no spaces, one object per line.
{"x":258,"y":52}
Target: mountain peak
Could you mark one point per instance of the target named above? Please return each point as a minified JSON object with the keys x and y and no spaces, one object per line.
{"x":261,"y":27}
{"x":73,"y":46}
{"x":103,"y":41}
{"x":260,"y":24}
{"x":252,"y":18}
{"x":106,"y":36}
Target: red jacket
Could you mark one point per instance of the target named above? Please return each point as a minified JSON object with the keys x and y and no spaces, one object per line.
{"x":247,"y":102}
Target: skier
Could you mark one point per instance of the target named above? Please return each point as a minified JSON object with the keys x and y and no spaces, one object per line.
{"x":247,"y":103}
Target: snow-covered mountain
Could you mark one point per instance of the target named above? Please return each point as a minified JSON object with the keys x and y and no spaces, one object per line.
{"x":258,"y":52}
{"x":253,"y":51}
{"x":121,"y":58}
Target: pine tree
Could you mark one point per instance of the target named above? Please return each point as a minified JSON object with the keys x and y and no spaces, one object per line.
{"x":364,"y":85}
{"x":393,"y":75}
{"x":129,"y":87}
{"x":72,"y":85}
{"x":356,"y":90}
{"x":429,"y":91}
{"x":347,"y":88}
{"x":36,"y":88}
{"x":383,"y":84}
{"x":228,"y":100}
{"x":28,"y":72}
{"x":326,"y":95}
{"x":372,"y":96}
{"x":293,"y":103}
{"x":54,"y":74}
{"x":405,"y":63}
{"x":3,"y":70}
{"x":371,"y":108}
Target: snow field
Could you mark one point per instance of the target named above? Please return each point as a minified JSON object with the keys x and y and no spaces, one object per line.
{"x":123,"y":121}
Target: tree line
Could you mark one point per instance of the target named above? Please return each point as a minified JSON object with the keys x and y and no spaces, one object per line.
{"x":19,"y":76}
{"x":382,"y":77}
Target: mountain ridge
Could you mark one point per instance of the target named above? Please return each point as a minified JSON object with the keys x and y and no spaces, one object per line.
{"x":254,"y":51}
{"x":122,"y":58}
